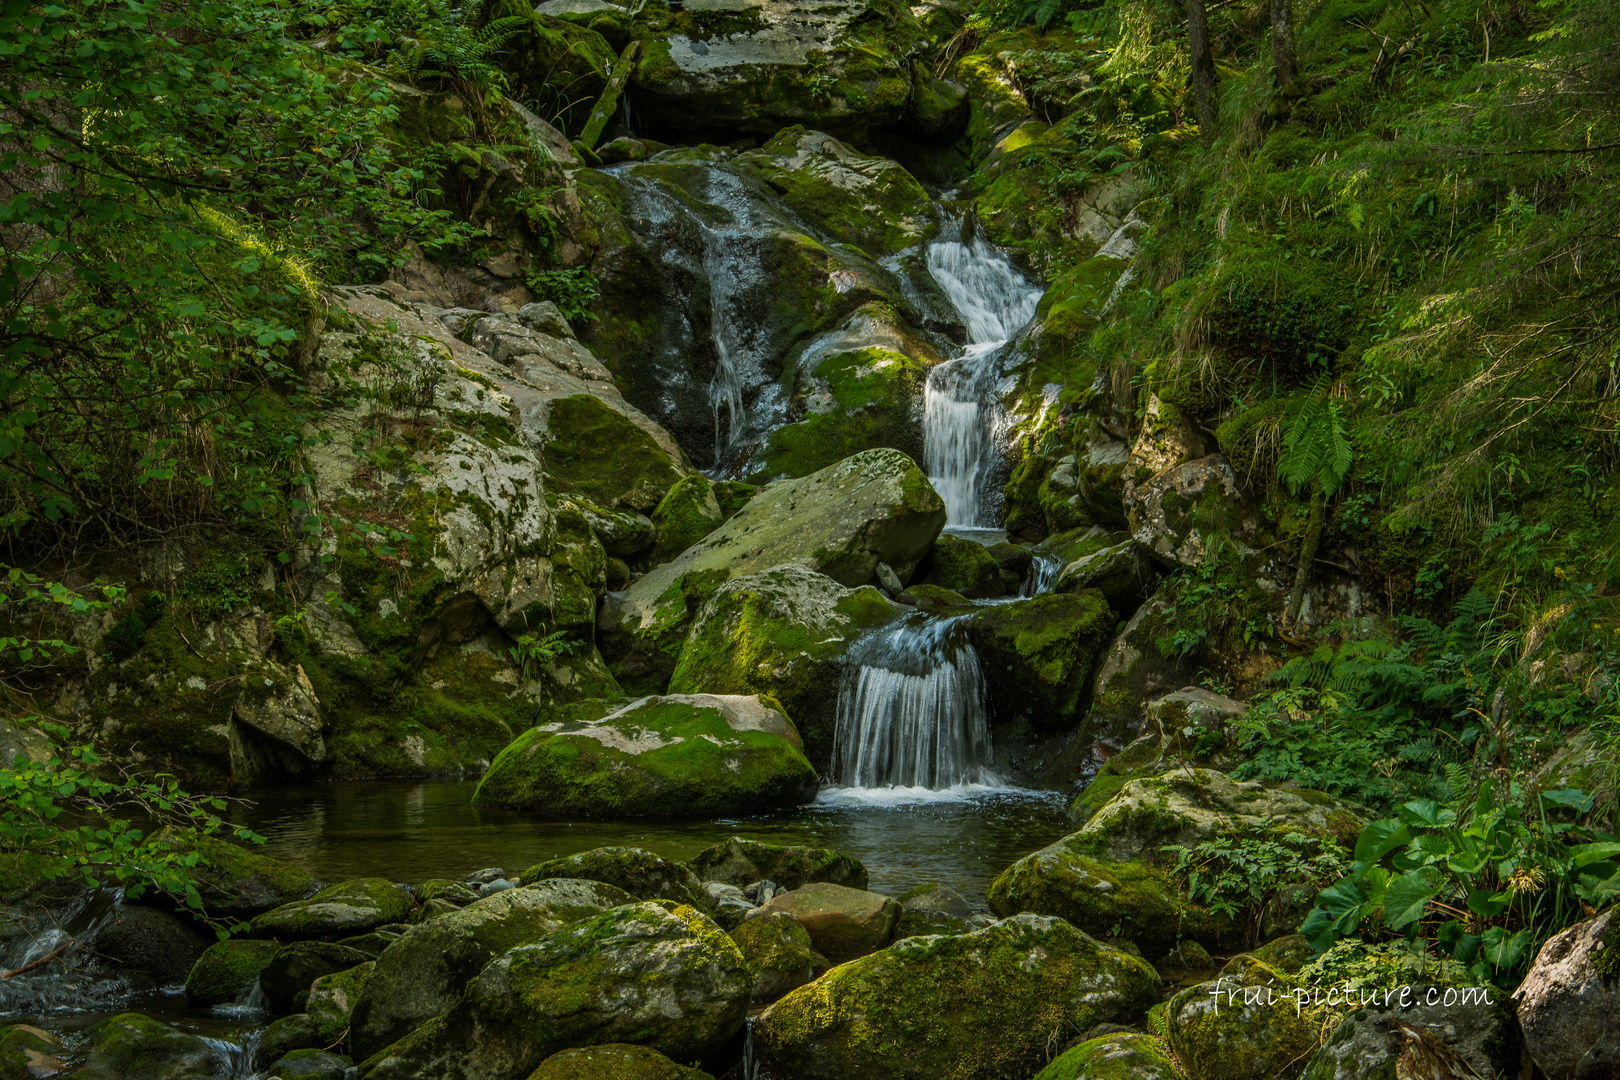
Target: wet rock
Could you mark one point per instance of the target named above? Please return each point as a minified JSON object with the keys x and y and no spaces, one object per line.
{"x":622,"y":533}
{"x":139,"y":1048}
{"x":280,"y":707}
{"x":842,"y":521}
{"x":424,"y":973}
{"x":350,"y":907}
{"x":235,"y":882}
{"x":1124,"y":574}
{"x":638,"y":872}
{"x":966,"y":567}
{"x":684,"y":516}
{"x":1133,"y":671}
{"x":1569,"y":1002}
{"x":1249,"y":1031}
{"x":456,"y":892}
{"x":614,"y":1061}
{"x":784,"y":632}
{"x":932,"y":596}
{"x":311,"y":1064}
{"x":295,"y":966}
{"x":27,"y":1053}
{"x":1120,"y":1056}
{"x":843,"y":923}
{"x":780,"y":954}
{"x":731,"y":906}
{"x":1463,"y":1036}
{"x":490,"y":888}
{"x":1039,"y":655}
{"x":282,"y":1037}
{"x":156,"y":942}
{"x":677,"y":985}
{"x":674,"y":756}
{"x":974,"y":1006}
{"x":228,"y":970}
{"x":740,"y":862}
{"x":934,"y":897}
{"x":332,"y":999}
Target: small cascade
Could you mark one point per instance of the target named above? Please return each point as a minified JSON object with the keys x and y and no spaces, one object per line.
{"x":1043,"y":574}
{"x":960,"y":409}
{"x":911,"y":710}
{"x":54,"y":972}
{"x":238,"y":1055}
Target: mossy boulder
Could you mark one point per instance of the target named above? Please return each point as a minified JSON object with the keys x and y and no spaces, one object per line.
{"x":1039,"y":655}
{"x":970,"y":1007}
{"x":932,"y":596}
{"x":1121,"y":1056}
{"x":640,"y":873}
{"x":552,"y":52}
{"x":26,"y":1053}
{"x":614,"y":1061}
{"x":966,"y":567}
{"x":596,"y":451}
{"x":298,"y":964}
{"x":137,"y":1047}
{"x":622,"y":533}
{"x":283,"y":1036}
{"x":228,"y":970}
{"x":784,"y":632}
{"x":332,"y":999}
{"x":686,"y":515}
{"x":697,"y":755}
{"x":659,"y":974}
{"x":349,"y":907}
{"x":741,"y":862}
{"x":779,"y":952}
{"x":1245,"y":1026}
{"x":875,"y":507}
{"x":1124,"y":574}
{"x":1176,"y":512}
{"x":424,"y":973}
{"x":1370,"y":1043}
{"x":311,"y":1064}
{"x":1136,"y":670}
{"x":847,"y":401}
{"x":235,"y":882}
{"x":843,"y":923}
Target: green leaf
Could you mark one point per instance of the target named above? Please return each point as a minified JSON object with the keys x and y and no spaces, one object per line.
{"x":1379,"y":838}
{"x":1408,"y":898}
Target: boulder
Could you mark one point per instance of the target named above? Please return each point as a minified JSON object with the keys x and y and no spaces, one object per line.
{"x":933,"y":909}
{"x":639,"y":873}
{"x":1191,"y":713}
{"x":227,"y":971}
{"x":974,"y":1006}
{"x":1124,"y":574}
{"x":731,"y":904}
{"x":614,"y":1061}
{"x":26,"y":1052}
{"x":1462,"y":1033}
{"x":780,"y":954}
{"x":1175,"y":511}
{"x":311,"y":1064}
{"x":235,"y":882}
{"x":282,"y":1037}
{"x":622,"y":533}
{"x":332,"y":999}
{"x":1135,"y":670}
{"x":141,"y":939}
{"x":424,"y":973}
{"x":843,"y":923}
{"x":966,"y":567}
{"x":661,"y":974}
{"x":350,"y":907}
{"x":295,"y":966}
{"x":932,"y":596}
{"x":686,"y":515}
{"x":1569,"y":1002}
{"x":741,"y":862}
{"x":698,"y":755}
{"x":280,"y":707}
{"x":842,"y":521}
{"x":1039,"y":655}
{"x":1244,"y":1026}
{"x":1121,"y":1056}
{"x":136,"y":1047}
{"x":785,"y":632}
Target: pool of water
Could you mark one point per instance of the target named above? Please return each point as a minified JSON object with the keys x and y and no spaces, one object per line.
{"x":413,"y":830}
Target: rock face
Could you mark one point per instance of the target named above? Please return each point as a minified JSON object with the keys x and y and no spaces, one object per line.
{"x":843,"y":923}
{"x":614,"y":1061}
{"x":741,"y":862}
{"x":350,"y":907}
{"x":1038,"y":655}
{"x":1569,"y":1003}
{"x":640,"y":873}
{"x":661,"y":974}
{"x":779,"y":951}
{"x":974,"y":1006}
{"x":784,"y":632}
{"x":424,"y":972}
{"x":1134,"y":670}
{"x":875,"y":507}
{"x":1367,"y":1044}
{"x":1112,"y":1057}
{"x":678,"y":756}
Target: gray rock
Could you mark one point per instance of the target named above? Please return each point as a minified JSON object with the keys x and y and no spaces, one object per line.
{"x":490,"y":888}
{"x":1569,"y":1003}
{"x":283,"y":719}
{"x":311,"y":1064}
{"x":347,"y":908}
{"x":843,"y":923}
{"x":889,"y":580}
{"x":296,"y":965}
{"x":479,"y":877}
{"x":1367,"y":1044}
{"x":936,"y":897}
{"x":1123,"y":574}
{"x":543,"y":317}
{"x":731,"y":906}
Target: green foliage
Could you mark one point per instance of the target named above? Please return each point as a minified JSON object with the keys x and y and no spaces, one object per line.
{"x":530,"y":653}
{"x":1214,"y":600}
{"x":1316,"y":447}
{"x":573,"y":290}
{"x":26,"y":596}
{"x":1238,"y":875}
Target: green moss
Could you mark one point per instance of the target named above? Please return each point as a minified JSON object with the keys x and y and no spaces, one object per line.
{"x":861,"y":401}
{"x":233,"y":880}
{"x":965,"y":567}
{"x":592,"y":450}
{"x":227,"y":970}
{"x":1038,"y":655}
{"x":134,"y":1045}
{"x":739,"y":862}
{"x":332,"y":999}
{"x":349,"y":907}
{"x":614,"y":1061}
{"x":687,"y":514}
{"x":1113,"y":1057}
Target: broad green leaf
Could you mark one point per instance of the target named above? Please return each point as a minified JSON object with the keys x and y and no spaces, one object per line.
{"x":1407,"y":898}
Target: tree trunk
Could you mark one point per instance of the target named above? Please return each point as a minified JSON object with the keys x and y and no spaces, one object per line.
{"x":1203,"y":67}
{"x":1282,"y":44}
{"x":1307,"y":556}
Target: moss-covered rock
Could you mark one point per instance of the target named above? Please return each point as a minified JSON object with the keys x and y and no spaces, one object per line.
{"x":1039,"y":655}
{"x":1135,"y":671}
{"x":551,"y":53}
{"x":424,"y":973}
{"x":638,"y":872}
{"x":349,"y":907}
{"x":1122,"y":1056}
{"x":614,"y":1061}
{"x":695,"y":755}
{"x":965,"y":567}
{"x":741,"y":862}
{"x":1287,"y":953}
{"x":296,"y":965}
{"x":234,"y":881}
{"x":969,"y":1007}
{"x":332,"y":999}
{"x":1124,"y":574}
{"x":1370,"y":1043}
{"x":137,"y":1047}
{"x":875,"y":507}
{"x":675,"y":983}
{"x":843,"y":923}
{"x":932,"y":596}
{"x":596,"y":451}
{"x":1249,"y":1030}
{"x":228,"y":970}
{"x":782,"y":632}
{"x":686,"y":515}
{"x":311,"y":1064}
{"x":26,"y":1052}
{"x":847,"y":401}
{"x":779,"y":952}
{"x":283,"y":1036}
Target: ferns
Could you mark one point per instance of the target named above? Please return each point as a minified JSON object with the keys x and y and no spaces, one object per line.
{"x":457,"y":51}
{"x":1316,"y":447}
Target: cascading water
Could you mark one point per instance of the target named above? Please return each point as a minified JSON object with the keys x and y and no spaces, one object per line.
{"x":1044,"y":570}
{"x":959,"y":400}
{"x":911,"y":710}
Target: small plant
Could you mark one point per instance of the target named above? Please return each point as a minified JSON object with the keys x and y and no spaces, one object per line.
{"x":1240,"y":874}
{"x":573,"y":291}
{"x":530,"y":652}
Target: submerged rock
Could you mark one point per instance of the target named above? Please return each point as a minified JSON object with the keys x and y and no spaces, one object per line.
{"x":350,"y":907}
{"x":696,"y":755}
{"x":843,"y":923}
{"x":661,"y":974}
{"x":424,"y":973}
{"x":780,"y":952}
{"x":614,"y":1061}
{"x":741,"y":862}
{"x":976,"y":1006}
{"x":640,"y":873}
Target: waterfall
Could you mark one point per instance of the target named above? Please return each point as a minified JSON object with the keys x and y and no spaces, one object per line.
{"x":960,"y":410}
{"x":911,"y":710}
{"x":1043,"y":574}
{"x":55,"y":969}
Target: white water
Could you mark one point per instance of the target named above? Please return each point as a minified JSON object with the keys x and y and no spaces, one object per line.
{"x":1043,"y":574}
{"x":960,"y":409}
